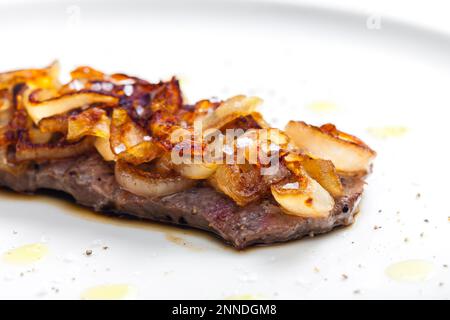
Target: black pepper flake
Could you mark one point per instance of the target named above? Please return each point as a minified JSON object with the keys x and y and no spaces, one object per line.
{"x":344,"y":276}
{"x":418,"y":195}
{"x":88,"y":252}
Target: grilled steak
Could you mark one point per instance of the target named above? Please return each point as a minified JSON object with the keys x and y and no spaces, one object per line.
{"x":90,"y":180}
{"x":122,"y":145}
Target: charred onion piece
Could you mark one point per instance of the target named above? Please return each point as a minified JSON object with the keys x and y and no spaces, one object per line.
{"x":92,"y":122}
{"x":29,"y":151}
{"x":230,"y":110}
{"x":323,"y":171}
{"x":130,"y":142}
{"x":41,"y":78}
{"x":143,"y":152}
{"x":242,"y":183}
{"x":57,"y":123}
{"x":38,"y":110}
{"x":348,"y":154}
{"x":149,"y":184}
{"x":303,"y":196}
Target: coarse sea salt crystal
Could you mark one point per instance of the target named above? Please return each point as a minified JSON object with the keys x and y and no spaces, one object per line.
{"x":107,"y":86}
{"x":128,"y":90}
{"x":96,"y":87}
{"x":140,"y":110}
{"x":76,"y":85}
{"x":291,"y":186}
{"x":120,"y":148}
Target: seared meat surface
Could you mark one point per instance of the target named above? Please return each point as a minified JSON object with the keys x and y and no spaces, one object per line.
{"x":90,"y":180}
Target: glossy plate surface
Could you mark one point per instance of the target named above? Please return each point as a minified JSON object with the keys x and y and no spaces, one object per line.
{"x":387,"y":85}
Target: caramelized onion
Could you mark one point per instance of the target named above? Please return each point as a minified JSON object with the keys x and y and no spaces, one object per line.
{"x":38,"y":110}
{"x":29,"y":151}
{"x":92,"y":122}
{"x":58,"y":123}
{"x":196,"y":171}
{"x":12,"y":168}
{"x":38,"y":137}
{"x":143,"y":152}
{"x":229,"y":110}
{"x":303,"y":196}
{"x":242,"y":183}
{"x":42,"y":78}
{"x":323,"y":171}
{"x":5,"y":108}
{"x":348,"y":154}
{"x":130,"y":142}
{"x":104,"y":148}
{"x":148,"y":184}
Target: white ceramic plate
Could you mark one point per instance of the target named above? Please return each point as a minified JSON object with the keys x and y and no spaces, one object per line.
{"x":387,"y":85}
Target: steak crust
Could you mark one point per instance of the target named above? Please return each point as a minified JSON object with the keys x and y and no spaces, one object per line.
{"x":90,"y":180}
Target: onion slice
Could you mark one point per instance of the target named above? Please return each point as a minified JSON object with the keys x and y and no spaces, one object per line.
{"x":104,"y":148}
{"x":12,"y":168}
{"x":38,"y":110}
{"x":348,"y":154}
{"x":323,"y":171}
{"x":42,"y":78}
{"x":303,"y":196}
{"x":29,"y":151}
{"x":92,"y":122}
{"x":243,"y":183}
{"x":148,"y":184}
{"x":231,"y":109}
{"x":196,"y":171}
